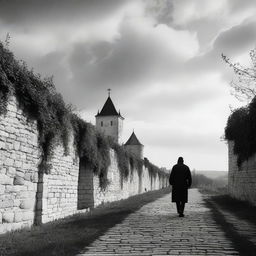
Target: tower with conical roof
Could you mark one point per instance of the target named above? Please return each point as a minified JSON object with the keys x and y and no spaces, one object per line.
{"x":109,"y":121}
{"x":134,"y":146}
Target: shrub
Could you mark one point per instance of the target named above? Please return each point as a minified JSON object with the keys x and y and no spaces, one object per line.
{"x":241,"y":128}
{"x":6,"y":70}
{"x":38,"y":99}
{"x":5,"y":91}
{"x":237,"y":130}
{"x":92,"y":148}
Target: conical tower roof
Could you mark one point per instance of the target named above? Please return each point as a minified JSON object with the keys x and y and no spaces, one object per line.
{"x":108,"y":109}
{"x":133,"y":140}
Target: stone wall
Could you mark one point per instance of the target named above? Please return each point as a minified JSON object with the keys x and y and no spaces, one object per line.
{"x":29,"y":197}
{"x":85,"y":187}
{"x":118,"y":188}
{"x":242,"y":181}
{"x":121,"y":188}
{"x":60,"y":186}
{"x":19,"y":158}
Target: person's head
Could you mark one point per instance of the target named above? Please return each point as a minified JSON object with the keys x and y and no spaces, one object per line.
{"x":180,"y":160}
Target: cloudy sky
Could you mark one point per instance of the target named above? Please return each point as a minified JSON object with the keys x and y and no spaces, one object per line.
{"x":160,"y":58}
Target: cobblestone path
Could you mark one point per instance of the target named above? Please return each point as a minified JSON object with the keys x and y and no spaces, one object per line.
{"x":155,"y":229}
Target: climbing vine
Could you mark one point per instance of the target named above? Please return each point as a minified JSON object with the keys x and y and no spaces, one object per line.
{"x":5,"y":84}
{"x":55,"y":120}
{"x":152,"y":169}
{"x":38,"y":99}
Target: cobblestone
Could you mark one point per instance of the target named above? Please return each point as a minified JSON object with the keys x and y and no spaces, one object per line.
{"x":156,"y":229}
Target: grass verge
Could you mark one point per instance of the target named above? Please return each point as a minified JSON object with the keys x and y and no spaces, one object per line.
{"x":70,"y":235}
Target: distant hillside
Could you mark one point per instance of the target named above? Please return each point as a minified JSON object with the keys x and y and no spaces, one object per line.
{"x":214,"y":174}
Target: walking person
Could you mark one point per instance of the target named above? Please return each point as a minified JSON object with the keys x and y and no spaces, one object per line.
{"x":180,"y":179}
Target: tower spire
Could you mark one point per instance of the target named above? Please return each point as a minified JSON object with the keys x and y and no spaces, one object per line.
{"x":109,"y":90}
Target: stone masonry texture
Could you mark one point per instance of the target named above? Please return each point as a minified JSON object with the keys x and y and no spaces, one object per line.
{"x":242,"y":181}
{"x":156,"y":229}
{"x":19,"y":158}
{"x":28,"y":197}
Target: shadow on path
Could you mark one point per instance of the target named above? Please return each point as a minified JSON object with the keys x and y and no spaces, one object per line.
{"x":240,"y":241}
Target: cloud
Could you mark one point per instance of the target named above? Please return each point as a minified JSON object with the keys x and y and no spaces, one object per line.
{"x":160,"y":10}
{"x":141,"y":55}
{"x":237,"y":39}
{"x":234,"y":42}
{"x":190,"y":10}
{"x":32,"y":13}
{"x":160,"y":57}
{"x":237,"y":6}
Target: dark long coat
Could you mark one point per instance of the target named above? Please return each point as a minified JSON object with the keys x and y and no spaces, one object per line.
{"x":180,"y":179}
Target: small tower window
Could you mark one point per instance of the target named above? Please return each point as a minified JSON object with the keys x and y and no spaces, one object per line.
{"x":101,"y":123}
{"x":111,"y":123}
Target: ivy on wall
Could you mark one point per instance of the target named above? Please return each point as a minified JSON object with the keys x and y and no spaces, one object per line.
{"x":40,"y":101}
{"x":241,"y":128}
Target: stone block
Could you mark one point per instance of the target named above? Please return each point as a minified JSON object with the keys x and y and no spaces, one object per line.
{"x":3,"y":228}
{"x":53,"y":201}
{"x":5,"y":179}
{"x":12,"y":188}
{"x":26,"y":149}
{"x":20,"y":173}
{"x":3,"y":134}
{"x":18,"y":216}
{"x":34,"y":139}
{"x":11,"y":108}
{"x":18,"y":181}
{"x":2,"y":189}
{"x":27,"y":203}
{"x":27,"y":176}
{"x":17,"y":145}
{"x":18,"y":164}
{"x":23,"y":194}
{"x":9,"y":162}
{"x":29,"y":215}
{"x":32,"y":187}
{"x":8,"y":217}
{"x":34,"y":177}
{"x":16,"y":202}
{"x":9,"y":146}
{"x":26,"y":166}
{"x":11,"y":171}
{"x":2,"y":145}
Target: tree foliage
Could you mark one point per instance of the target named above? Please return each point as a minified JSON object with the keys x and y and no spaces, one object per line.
{"x":241,"y":125}
{"x":241,"y":128}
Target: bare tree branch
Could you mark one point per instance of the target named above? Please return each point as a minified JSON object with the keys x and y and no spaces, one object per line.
{"x":244,"y":86}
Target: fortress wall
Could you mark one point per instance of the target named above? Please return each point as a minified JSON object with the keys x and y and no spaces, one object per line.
{"x":133,"y":185}
{"x":29,"y":197}
{"x":19,"y":158}
{"x":118,"y":188}
{"x":113,"y":192}
{"x":146,"y":180}
{"x":60,"y":186}
{"x":242,"y":181}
